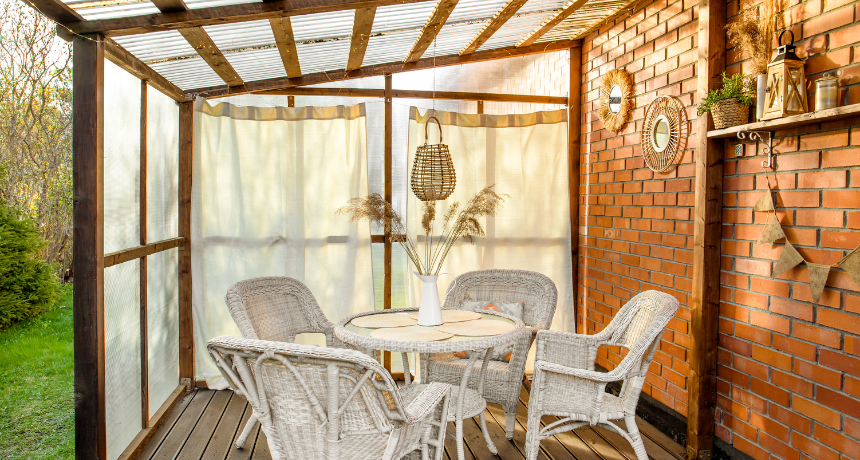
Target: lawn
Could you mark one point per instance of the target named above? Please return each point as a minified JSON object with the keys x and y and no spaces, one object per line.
{"x":37,"y":386}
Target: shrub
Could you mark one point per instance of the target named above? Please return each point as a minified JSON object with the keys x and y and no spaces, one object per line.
{"x":28,"y":285}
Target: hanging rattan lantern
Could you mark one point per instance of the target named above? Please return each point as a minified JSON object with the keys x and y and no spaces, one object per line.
{"x":433,"y":175}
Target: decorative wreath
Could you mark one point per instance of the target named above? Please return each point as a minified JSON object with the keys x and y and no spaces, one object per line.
{"x":616,"y":121}
{"x":668,"y":109}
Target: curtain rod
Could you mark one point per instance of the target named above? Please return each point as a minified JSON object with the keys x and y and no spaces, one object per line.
{"x":413,"y":94}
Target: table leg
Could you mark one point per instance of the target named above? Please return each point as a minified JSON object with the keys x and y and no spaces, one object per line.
{"x":407,"y":374}
{"x":490,"y":445}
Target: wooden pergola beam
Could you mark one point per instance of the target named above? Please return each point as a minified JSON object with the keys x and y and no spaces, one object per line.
{"x":550,"y":23}
{"x":228,"y":14}
{"x":431,"y":29}
{"x":131,"y":64}
{"x":55,"y":10}
{"x":416,"y":94}
{"x":208,"y":50}
{"x":382,"y":69}
{"x":360,"y":36}
{"x":498,"y":20}
{"x":283,"y":30}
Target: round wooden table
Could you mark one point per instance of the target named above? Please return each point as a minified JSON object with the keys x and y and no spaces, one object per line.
{"x":467,"y":402}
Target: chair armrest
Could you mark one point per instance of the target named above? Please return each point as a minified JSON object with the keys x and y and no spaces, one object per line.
{"x":594,"y":376}
{"x":567,"y":349}
{"x":426,"y":402}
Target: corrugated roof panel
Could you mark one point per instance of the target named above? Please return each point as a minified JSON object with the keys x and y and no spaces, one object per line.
{"x":323,"y":25}
{"x":194,"y":4}
{"x":453,"y":38}
{"x":188,"y":73}
{"x":399,"y":17}
{"x":156,"y":45}
{"x":391,"y":47}
{"x":323,"y":56}
{"x":542,"y":5}
{"x":517,"y":28}
{"x":241,"y":35}
{"x":591,"y":14}
{"x":112,"y":10}
{"x":470,"y":10}
{"x":258,"y":64}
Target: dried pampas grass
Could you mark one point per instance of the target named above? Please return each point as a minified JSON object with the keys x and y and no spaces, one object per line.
{"x":753,"y":33}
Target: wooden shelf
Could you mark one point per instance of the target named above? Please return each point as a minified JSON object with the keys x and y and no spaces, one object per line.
{"x":794,"y":121}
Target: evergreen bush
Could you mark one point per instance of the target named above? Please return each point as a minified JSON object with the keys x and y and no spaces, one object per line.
{"x":28,"y":285}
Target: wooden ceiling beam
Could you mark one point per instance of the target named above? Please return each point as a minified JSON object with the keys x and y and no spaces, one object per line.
{"x":121,"y":57}
{"x":283,"y":30}
{"x":361,"y":29}
{"x":498,"y":20}
{"x":431,"y":29}
{"x":382,"y":69}
{"x":553,"y":21}
{"x":228,"y":14}
{"x":415,"y":94}
{"x":55,"y":10}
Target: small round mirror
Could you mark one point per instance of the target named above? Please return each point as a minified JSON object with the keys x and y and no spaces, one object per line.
{"x":660,"y":134}
{"x":615,"y":95}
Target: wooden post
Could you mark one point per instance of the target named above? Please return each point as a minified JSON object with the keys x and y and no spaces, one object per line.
{"x":291,"y":101}
{"x":574,"y":118}
{"x":144,"y":306}
{"x":186,"y":321}
{"x":480,"y":107}
{"x":88,"y":250}
{"x":389,"y":165}
{"x":705,"y":299}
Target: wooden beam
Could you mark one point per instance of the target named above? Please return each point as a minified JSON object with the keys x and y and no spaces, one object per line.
{"x":55,"y":10}
{"x":170,"y":6}
{"x":361,"y":29}
{"x":131,"y":64}
{"x":186,"y":319}
{"x":144,"y":298}
{"x":139,"y":442}
{"x":624,"y":11}
{"x":431,"y":29}
{"x":283,"y":30}
{"x":88,"y":250}
{"x":553,"y":21}
{"x":382,"y":69}
{"x":574,"y":126}
{"x":216,"y":15}
{"x":480,"y":107}
{"x":415,"y":94}
{"x":707,"y":232}
{"x":118,"y":257}
{"x":388,"y":180}
{"x":208,"y":50}
{"x":498,"y":20}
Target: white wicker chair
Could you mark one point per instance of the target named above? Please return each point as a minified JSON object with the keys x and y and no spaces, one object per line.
{"x":276,"y":308}
{"x":503,"y":380}
{"x":567,"y":386}
{"x":331,"y":403}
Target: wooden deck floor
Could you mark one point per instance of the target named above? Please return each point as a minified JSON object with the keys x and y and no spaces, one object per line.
{"x":204,"y":424}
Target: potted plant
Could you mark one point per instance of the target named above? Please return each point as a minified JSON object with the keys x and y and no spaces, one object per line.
{"x":729,"y":105}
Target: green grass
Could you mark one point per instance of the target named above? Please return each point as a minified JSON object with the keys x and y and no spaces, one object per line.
{"x":37,"y":386}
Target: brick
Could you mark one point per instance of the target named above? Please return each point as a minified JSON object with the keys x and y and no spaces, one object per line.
{"x":839,"y":158}
{"x":838,"y":361}
{"x":771,"y":357}
{"x":789,"y":308}
{"x":778,"y":447}
{"x":815,"y":334}
{"x":771,"y":392}
{"x":823,"y":179}
{"x":838,"y":320}
{"x":838,"y":441}
{"x":840,"y":239}
{"x":816,"y":411}
{"x":839,"y":401}
{"x":828,"y":21}
{"x":797,"y":422}
{"x":818,"y":374}
{"x":792,"y":383}
{"x":811,"y":218}
{"x":795,"y":347}
{"x":849,"y":199}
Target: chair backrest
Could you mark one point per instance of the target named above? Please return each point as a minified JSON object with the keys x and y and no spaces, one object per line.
{"x":536,"y":291}
{"x":275,"y":308}
{"x":309,"y":398}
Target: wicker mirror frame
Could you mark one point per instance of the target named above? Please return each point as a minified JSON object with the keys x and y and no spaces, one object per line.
{"x":668,"y":109}
{"x":620,"y":78}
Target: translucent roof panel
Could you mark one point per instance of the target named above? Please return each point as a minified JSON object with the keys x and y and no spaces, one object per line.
{"x":189,"y":73}
{"x":453,"y":38}
{"x":258,"y":64}
{"x":194,"y":4}
{"x":313,"y":27}
{"x":591,"y":14}
{"x":157,"y":46}
{"x":241,"y":35}
{"x":399,"y":17}
{"x":323,"y":56}
{"x":470,"y":10}
{"x":515,"y":29}
{"x":91,"y":10}
{"x":390,"y":47}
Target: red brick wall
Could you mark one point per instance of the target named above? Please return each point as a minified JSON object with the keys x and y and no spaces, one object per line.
{"x":789,"y":370}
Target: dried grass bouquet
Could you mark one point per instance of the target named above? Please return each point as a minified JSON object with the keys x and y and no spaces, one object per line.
{"x":753,"y":34}
{"x":458,"y":222}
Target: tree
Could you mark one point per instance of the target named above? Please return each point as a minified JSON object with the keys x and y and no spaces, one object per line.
{"x":35,"y":127}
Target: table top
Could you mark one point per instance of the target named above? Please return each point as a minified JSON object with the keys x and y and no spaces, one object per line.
{"x":360,"y":336}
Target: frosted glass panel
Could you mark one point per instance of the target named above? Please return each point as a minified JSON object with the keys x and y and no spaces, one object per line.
{"x":163,"y":315}
{"x":122,"y":159}
{"x":162,"y":163}
{"x":122,"y":355}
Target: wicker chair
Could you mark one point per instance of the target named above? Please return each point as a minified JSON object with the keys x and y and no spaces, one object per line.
{"x":503,"y":380}
{"x":276,"y":308}
{"x":567,"y":386}
{"x":331,"y":403}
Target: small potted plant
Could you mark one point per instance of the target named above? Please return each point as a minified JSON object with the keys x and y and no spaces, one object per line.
{"x":729,"y":105}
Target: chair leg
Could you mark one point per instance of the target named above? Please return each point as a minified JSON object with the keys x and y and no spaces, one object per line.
{"x":246,"y":432}
{"x":532,"y":435}
{"x":633,"y":432}
{"x":510,"y":423}
{"x":486,"y":432}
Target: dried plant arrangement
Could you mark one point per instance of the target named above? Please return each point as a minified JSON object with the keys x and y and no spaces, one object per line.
{"x":753,"y":34}
{"x":458,"y":222}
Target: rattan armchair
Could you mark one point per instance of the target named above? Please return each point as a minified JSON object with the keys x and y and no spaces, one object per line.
{"x":276,"y":308}
{"x":566,"y":385}
{"x":331,"y":403}
{"x":503,"y":380}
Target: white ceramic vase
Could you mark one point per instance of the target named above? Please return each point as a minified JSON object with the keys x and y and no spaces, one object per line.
{"x":761,"y":94}
{"x":430,"y":309}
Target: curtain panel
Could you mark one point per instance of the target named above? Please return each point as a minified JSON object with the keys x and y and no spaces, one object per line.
{"x":525,"y":157}
{"x":267,"y":183}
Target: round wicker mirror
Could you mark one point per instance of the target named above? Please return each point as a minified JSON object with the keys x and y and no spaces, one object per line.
{"x":661,"y":133}
{"x":616,"y":99}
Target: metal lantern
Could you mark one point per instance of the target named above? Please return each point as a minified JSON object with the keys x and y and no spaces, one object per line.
{"x":433,"y":176}
{"x":786,"y":83}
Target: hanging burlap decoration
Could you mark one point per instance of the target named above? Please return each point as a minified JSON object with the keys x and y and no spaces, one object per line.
{"x":787,"y":260}
{"x":851,"y":265}
{"x":817,"y":279}
{"x":765,"y":203}
{"x":772,"y":231}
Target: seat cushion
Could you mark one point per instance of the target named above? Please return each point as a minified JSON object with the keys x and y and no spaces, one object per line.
{"x":514,"y":309}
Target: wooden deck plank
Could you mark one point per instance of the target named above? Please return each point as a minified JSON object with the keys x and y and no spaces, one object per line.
{"x":552,"y":447}
{"x":245,"y":453}
{"x":665,"y":442}
{"x":507,"y":449}
{"x":261,"y":448}
{"x":158,"y":437}
{"x":175,"y":440}
{"x":617,"y":441}
{"x":451,"y":445}
{"x":228,"y":428}
{"x":200,"y":436}
{"x":655,"y":451}
{"x":571,"y":442}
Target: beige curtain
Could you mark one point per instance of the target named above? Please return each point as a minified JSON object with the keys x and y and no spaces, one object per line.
{"x":267,"y":182}
{"x":525,"y":156}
